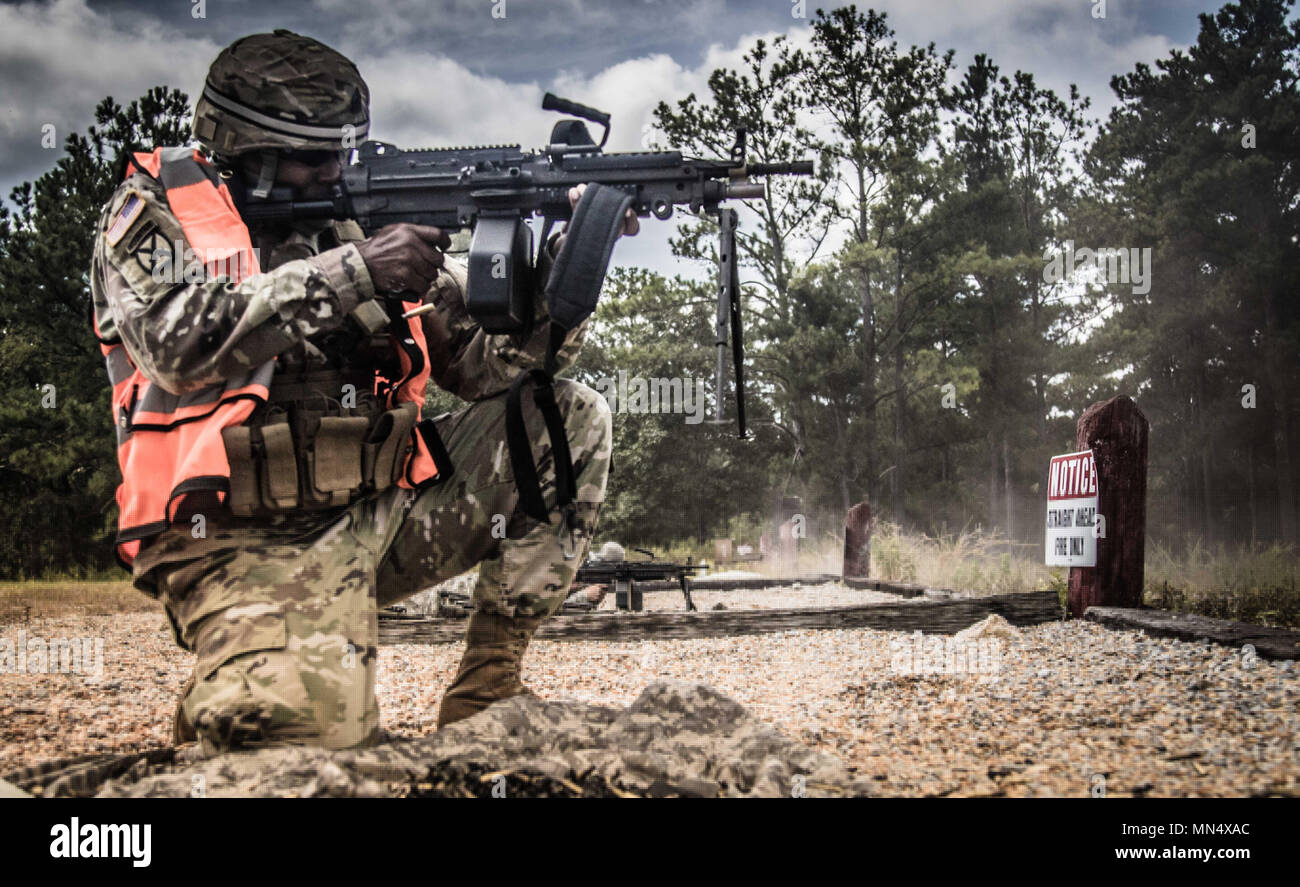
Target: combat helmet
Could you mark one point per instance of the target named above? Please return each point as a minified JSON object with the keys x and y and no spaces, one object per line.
{"x":277,"y":92}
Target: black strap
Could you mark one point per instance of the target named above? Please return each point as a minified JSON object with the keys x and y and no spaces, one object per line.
{"x":521,"y":451}
{"x":573,"y":287}
{"x":571,"y":294}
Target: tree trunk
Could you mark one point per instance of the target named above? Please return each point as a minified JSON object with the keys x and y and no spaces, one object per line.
{"x":1286,"y":514}
{"x":900,"y":414}
{"x":1285,"y":479}
{"x":1040,"y":383}
{"x":900,"y":419}
{"x":1203,"y":446}
{"x":1250,"y":480}
{"x":868,"y":385}
{"x":1207,"y":508}
{"x":993,"y":482}
{"x":1010,"y":499}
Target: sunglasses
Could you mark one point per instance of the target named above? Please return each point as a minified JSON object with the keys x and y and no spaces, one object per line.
{"x":313,"y":158}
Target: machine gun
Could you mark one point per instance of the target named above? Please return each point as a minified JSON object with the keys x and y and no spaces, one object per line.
{"x":493,"y":189}
{"x":624,"y":575}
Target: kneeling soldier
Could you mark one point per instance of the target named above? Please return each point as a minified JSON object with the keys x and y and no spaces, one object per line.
{"x":279,"y":484}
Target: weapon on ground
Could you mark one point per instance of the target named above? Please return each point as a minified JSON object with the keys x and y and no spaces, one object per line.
{"x":495,"y":188}
{"x":624,"y":575}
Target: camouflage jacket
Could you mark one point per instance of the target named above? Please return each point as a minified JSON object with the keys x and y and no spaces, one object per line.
{"x":184,"y":334}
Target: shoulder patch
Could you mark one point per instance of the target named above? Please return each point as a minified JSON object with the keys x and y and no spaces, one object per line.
{"x":131,"y":210}
{"x":144,"y":242}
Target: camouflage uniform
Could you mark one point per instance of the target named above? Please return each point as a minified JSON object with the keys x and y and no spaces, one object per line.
{"x":281,"y":611}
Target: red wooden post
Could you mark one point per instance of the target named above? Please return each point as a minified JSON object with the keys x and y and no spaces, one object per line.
{"x":1116,"y":432}
{"x":857,"y":542}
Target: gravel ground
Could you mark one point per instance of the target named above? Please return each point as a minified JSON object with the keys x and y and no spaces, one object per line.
{"x":1071,"y":709}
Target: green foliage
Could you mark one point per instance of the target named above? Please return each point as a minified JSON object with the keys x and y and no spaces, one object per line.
{"x":1197,"y":162}
{"x":1060,"y":583}
{"x":1258,"y":584}
{"x":669,"y":474}
{"x":891,"y":557}
{"x":58,"y":470}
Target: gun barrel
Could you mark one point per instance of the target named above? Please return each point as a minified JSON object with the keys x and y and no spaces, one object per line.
{"x":793,"y":168}
{"x":746,"y":190}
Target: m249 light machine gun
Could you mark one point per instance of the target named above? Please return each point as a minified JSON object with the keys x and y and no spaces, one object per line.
{"x":494,"y":189}
{"x":623,"y":575}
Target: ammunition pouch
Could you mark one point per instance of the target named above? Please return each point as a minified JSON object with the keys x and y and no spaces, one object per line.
{"x":317,"y":444}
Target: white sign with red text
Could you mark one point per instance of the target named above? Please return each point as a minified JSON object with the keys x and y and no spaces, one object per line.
{"x":1072,"y":511}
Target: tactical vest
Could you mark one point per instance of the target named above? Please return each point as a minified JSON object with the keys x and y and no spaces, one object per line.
{"x":176,"y":451}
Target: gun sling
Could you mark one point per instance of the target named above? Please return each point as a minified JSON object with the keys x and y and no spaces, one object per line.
{"x":521,"y":451}
{"x":572,"y":291}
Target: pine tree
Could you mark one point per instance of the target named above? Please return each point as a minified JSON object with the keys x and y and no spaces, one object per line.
{"x":58,"y":469}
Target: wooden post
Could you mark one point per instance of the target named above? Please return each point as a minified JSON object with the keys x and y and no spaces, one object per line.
{"x":787,"y":547}
{"x":857,"y":542}
{"x":787,"y":539}
{"x":1116,"y":432}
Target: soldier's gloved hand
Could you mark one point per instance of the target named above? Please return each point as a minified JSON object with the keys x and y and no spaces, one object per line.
{"x":404,"y":257}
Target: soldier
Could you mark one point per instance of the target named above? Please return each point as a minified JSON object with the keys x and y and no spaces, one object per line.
{"x":279,"y":485}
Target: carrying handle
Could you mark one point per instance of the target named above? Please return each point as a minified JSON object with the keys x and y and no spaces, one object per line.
{"x":552,"y":102}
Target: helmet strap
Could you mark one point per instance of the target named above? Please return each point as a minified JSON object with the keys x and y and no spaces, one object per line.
{"x":266,"y":178}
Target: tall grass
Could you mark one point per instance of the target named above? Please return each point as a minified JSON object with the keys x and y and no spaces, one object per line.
{"x":20,"y":601}
{"x":972,"y":560}
{"x":1258,"y":584}
{"x":1244,"y":584}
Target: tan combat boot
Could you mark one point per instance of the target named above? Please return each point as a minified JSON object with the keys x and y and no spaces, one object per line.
{"x":489,"y":670}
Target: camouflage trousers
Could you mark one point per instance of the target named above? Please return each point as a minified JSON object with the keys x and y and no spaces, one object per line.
{"x":283,"y":616}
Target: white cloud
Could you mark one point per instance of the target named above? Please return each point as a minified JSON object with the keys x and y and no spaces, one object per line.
{"x":58,"y":60}
{"x":1058,"y":41}
{"x":420,"y":99}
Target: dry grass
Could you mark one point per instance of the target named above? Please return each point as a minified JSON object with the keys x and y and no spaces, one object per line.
{"x":970,"y":561}
{"x":1258,"y":584}
{"x":20,"y":601}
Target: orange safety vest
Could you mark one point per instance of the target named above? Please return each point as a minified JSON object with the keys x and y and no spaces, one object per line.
{"x":170,"y":446}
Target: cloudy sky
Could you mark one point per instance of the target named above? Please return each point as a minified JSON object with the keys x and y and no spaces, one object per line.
{"x":458,"y":71}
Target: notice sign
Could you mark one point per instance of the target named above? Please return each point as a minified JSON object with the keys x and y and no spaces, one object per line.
{"x":1072,"y":511}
